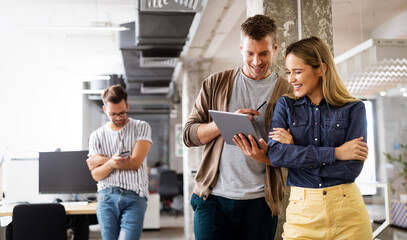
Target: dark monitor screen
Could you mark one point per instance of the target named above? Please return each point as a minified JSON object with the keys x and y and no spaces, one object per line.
{"x":65,"y":172}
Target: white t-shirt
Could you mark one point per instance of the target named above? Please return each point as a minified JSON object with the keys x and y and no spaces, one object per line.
{"x":107,"y":142}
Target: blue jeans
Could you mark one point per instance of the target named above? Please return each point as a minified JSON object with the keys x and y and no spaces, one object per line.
{"x":228,"y":219}
{"x":120,"y":211}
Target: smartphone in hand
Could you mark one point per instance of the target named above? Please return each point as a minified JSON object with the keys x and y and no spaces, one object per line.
{"x":125,"y":154}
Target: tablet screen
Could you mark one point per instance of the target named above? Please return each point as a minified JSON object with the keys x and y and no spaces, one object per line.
{"x":230,"y":124}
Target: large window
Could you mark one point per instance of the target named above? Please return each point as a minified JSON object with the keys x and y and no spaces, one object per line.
{"x":368,"y":173}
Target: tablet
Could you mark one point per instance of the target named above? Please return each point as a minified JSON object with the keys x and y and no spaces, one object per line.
{"x":230,"y":124}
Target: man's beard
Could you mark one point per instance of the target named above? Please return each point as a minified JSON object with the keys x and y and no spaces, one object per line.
{"x":120,"y":123}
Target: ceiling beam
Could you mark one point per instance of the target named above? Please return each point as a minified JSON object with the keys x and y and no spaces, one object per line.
{"x":204,"y":22}
{"x":212,"y":26}
{"x":228,"y":18}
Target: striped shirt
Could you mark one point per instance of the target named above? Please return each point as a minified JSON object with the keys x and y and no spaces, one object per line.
{"x":107,"y":142}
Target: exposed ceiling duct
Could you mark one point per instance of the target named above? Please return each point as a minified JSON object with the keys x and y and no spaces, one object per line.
{"x":152,"y":46}
{"x":374,"y":66}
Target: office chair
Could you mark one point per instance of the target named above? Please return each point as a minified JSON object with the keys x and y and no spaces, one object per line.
{"x":168,"y":189}
{"x":38,"y":222}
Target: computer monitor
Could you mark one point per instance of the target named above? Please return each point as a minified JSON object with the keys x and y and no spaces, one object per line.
{"x":65,"y":172}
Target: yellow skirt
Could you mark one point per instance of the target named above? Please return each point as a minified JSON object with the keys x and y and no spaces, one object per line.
{"x":336,"y":212}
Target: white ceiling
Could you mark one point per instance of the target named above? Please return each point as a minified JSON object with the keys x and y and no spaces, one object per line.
{"x":381,"y":67}
{"x":355,"y":21}
{"x":216,"y":35}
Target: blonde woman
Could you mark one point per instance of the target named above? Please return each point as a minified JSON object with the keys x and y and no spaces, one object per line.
{"x":320,"y":137}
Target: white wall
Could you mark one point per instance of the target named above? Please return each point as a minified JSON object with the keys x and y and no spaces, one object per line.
{"x":42,"y":70}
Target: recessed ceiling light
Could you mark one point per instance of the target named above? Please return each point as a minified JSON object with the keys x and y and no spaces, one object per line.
{"x":382,"y":93}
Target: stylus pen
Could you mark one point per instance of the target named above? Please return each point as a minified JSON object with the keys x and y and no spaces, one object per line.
{"x":261,"y":106}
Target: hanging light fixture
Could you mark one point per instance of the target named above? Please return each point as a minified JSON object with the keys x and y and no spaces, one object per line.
{"x":373,"y":66}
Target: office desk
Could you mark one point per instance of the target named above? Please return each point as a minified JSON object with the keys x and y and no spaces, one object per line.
{"x":151,"y":217}
{"x":7,"y":210}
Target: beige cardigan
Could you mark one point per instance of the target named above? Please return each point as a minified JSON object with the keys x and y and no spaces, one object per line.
{"x":215,"y":95}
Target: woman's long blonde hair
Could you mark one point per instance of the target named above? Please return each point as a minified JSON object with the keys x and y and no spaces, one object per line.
{"x":314,"y":52}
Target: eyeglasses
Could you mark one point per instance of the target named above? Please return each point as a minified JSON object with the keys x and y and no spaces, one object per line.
{"x":120,"y":114}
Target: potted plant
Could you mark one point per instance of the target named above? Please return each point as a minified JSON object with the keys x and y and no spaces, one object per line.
{"x":400,"y":166}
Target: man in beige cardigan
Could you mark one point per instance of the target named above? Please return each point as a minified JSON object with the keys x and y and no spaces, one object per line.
{"x":234,"y":196}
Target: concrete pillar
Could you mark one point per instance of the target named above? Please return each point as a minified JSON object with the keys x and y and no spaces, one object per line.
{"x":296,"y":19}
{"x":315,"y":20}
{"x":195,"y":72}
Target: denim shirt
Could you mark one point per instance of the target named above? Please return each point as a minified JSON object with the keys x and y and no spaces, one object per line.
{"x":317,"y":130}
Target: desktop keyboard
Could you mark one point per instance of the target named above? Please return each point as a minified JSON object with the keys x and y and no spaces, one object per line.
{"x":78,"y":203}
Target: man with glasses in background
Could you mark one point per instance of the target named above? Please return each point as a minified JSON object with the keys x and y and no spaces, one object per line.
{"x":117,"y":153}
